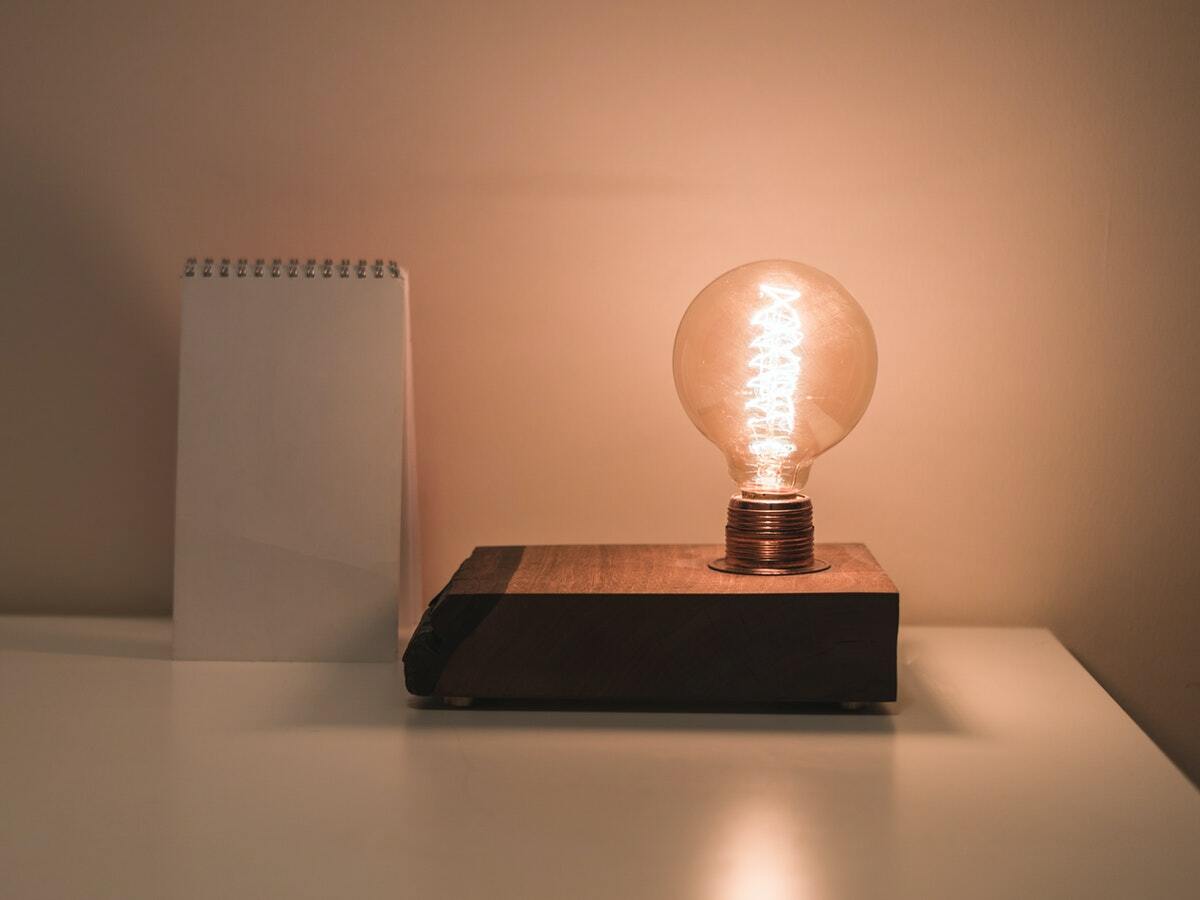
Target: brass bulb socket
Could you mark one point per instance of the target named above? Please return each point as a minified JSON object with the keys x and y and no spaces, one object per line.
{"x":767,"y":535}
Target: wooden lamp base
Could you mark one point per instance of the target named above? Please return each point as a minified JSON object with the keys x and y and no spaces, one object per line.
{"x":653,"y":623}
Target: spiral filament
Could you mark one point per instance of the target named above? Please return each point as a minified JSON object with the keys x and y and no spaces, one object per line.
{"x":772,"y":388}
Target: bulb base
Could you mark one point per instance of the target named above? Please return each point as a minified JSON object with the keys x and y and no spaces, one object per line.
{"x":769,"y":536}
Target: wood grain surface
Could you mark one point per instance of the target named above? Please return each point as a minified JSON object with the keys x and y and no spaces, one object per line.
{"x":655,"y":569}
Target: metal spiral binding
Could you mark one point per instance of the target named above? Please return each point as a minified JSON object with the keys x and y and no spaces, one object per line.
{"x":242,"y":268}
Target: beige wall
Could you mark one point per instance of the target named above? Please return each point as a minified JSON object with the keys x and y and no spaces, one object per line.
{"x":1012,"y":193}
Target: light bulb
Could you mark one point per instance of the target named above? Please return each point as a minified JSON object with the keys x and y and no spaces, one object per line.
{"x":774,"y":363}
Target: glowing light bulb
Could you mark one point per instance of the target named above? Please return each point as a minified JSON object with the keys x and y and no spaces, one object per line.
{"x":775,"y":363}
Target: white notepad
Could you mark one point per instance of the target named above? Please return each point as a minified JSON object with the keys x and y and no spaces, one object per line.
{"x":295,"y":535}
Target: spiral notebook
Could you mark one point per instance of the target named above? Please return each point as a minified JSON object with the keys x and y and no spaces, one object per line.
{"x":295,"y":493}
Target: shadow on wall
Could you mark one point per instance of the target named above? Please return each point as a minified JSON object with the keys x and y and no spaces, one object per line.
{"x":87,"y":480}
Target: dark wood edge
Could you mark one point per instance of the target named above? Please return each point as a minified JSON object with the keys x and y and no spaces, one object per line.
{"x":450,"y":618}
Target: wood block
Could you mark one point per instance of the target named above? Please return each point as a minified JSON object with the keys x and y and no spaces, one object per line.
{"x":652,"y":623}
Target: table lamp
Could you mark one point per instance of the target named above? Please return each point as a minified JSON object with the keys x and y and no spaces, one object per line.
{"x":775,"y":363}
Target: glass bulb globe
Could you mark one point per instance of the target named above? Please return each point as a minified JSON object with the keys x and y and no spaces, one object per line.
{"x":775,"y":363}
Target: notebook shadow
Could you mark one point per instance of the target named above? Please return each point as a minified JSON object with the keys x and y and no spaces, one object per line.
{"x":116,"y":636}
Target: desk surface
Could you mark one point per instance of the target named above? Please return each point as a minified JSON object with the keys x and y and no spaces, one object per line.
{"x":1004,"y":771}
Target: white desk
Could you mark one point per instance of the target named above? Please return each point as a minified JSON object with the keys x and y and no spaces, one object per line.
{"x":1004,"y":771}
